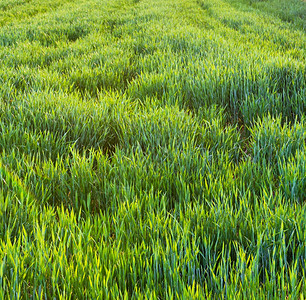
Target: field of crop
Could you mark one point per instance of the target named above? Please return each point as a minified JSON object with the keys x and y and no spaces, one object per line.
{"x":152,"y":149}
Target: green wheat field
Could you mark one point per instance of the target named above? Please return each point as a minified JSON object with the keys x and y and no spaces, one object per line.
{"x":152,"y":149}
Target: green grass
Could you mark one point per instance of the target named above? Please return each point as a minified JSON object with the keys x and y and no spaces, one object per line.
{"x":152,"y":149}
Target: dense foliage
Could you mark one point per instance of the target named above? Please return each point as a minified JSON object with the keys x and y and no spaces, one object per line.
{"x":152,"y":149}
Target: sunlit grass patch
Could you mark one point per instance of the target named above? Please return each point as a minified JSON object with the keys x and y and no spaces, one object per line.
{"x":152,"y":149}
